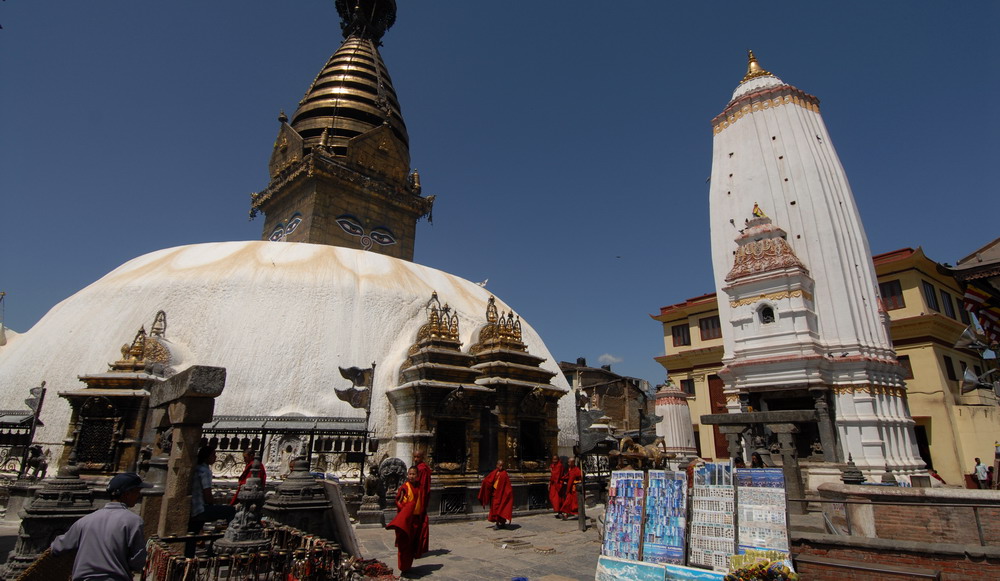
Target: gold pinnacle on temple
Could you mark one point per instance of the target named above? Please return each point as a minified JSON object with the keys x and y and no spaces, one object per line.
{"x":754,"y":69}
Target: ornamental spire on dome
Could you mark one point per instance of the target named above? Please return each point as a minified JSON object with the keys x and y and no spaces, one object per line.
{"x":367,"y":19}
{"x":754,"y":69}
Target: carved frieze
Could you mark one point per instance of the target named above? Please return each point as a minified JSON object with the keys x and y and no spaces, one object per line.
{"x":763,"y":256}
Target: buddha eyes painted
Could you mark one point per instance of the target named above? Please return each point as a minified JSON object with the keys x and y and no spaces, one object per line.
{"x":379,"y":235}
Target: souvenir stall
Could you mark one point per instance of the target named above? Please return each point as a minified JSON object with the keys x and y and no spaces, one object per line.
{"x":725,"y":524}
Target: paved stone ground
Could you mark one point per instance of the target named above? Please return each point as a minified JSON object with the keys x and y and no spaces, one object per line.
{"x":538,"y":547}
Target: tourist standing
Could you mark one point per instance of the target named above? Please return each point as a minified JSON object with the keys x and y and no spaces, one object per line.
{"x":203,"y":506}
{"x":108,"y":542}
{"x":424,"y":485}
{"x":408,"y":522}
{"x":571,"y":480}
{"x":556,"y":470}
{"x":980,"y":474}
{"x":498,"y":494}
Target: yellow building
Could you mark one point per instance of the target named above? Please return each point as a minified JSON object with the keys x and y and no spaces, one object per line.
{"x":924,"y":304}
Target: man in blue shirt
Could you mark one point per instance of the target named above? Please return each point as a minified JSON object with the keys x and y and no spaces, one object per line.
{"x":109,"y":541}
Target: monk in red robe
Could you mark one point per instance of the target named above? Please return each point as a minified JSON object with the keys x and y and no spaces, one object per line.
{"x":571,"y":479}
{"x":424,"y":484}
{"x":498,"y":494}
{"x":407,"y":524}
{"x":248,"y":458}
{"x":556,"y":470}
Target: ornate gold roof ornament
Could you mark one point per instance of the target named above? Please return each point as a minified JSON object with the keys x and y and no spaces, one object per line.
{"x":145,"y":349}
{"x":441,"y":322}
{"x":491,"y":310}
{"x":502,"y":330}
{"x":754,"y":69}
{"x":133,"y":355}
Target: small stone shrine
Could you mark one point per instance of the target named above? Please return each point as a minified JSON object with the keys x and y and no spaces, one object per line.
{"x":301,"y":502}
{"x":245,"y":533}
{"x":56,"y":506}
{"x":465,"y":411}
{"x":108,"y":415}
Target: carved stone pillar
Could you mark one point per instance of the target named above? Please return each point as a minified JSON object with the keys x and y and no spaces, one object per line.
{"x":827,"y":435}
{"x":734,"y":435}
{"x":794,"y":487}
{"x":187,"y":400}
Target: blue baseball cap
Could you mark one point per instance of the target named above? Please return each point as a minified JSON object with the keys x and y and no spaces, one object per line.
{"x":124,"y":482}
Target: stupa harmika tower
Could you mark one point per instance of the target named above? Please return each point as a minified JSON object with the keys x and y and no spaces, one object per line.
{"x":340,"y":171}
{"x":801,"y":320}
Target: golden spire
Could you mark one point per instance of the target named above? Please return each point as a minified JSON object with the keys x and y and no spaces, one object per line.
{"x":754,"y":69}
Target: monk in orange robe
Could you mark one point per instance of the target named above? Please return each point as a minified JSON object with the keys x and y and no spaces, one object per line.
{"x":498,"y":494}
{"x":555,"y":485}
{"x":424,"y":484}
{"x":407,"y":524}
{"x":571,"y":479}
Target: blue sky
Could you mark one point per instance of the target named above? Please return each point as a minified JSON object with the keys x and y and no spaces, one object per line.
{"x":568,"y":143}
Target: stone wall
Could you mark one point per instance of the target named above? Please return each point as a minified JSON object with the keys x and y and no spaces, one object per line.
{"x":829,"y":557}
{"x":923,"y":515}
{"x":918,"y":533}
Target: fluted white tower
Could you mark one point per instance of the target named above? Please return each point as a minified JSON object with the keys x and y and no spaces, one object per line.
{"x":798,"y":296}
{"x":675,"y":428}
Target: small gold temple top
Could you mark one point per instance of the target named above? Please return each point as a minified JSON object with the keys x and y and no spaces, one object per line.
{"x":754,"y":69}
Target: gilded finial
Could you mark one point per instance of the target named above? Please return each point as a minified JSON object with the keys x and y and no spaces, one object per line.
{"x":754,"y":69}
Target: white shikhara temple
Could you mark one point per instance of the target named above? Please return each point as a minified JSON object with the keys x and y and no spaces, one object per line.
{"x":799,"y":307}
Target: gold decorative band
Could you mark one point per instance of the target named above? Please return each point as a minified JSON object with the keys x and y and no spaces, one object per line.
{"x":772,"y":297}
{"x":761,"y":105}
{"x":869,"y":389}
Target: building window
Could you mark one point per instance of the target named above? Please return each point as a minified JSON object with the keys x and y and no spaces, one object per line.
{"x":892,"y":295}
{"x":949,"y":306}
{"x":682,"y":335}
{"x":766,"y":315}
{"x":687,"y":386}
{"x":963,"y":315}
{"x":949,"y":368}
{"x":931,"y":297}
{"x":904,"y":361}
{"x":710,"y":328}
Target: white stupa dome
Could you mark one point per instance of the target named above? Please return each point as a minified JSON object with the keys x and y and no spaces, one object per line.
{"x":280,"y":317}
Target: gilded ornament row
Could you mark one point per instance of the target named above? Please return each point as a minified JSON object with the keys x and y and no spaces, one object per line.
{"x":762,"y":105}
{"x":869,"y":389}
{"x":771,"y":297}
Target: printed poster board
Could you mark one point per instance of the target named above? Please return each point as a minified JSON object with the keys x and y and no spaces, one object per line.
{"x":762,"y":517}
{"x":623,"y":515}
{"x":713,"y":504}
{"x":612,"y":569}
{"x":666,"y":517}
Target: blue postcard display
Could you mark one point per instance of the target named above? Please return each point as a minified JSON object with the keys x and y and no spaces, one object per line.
{"x":666,"y":517}
{"x":762,"y":516}
{"x":623,"y":515}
